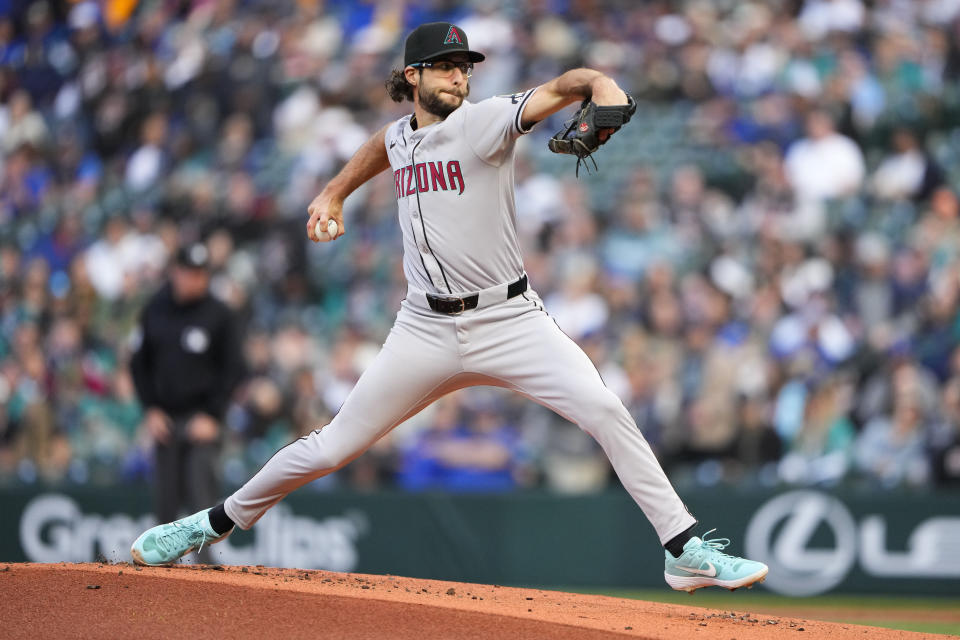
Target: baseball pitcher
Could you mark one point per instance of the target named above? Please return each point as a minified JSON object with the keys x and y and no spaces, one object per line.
{"x":470,"y":316}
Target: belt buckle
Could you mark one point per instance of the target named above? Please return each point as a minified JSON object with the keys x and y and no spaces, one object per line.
{"x":463,"y":307}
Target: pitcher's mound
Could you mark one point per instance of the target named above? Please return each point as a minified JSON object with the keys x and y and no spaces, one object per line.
{"x":123,"y":601}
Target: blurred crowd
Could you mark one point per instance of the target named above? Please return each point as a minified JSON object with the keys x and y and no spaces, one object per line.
{"x":765,"y":268}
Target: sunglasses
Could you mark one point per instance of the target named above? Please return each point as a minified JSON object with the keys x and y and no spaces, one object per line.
{"x":445,"y":67}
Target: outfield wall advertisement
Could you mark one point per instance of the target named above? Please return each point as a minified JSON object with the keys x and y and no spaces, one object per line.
{"x":814,"y":541}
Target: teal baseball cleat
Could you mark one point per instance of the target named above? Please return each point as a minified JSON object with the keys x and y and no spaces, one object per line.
{"x":164,"y":544}
{"x":703,"y":564}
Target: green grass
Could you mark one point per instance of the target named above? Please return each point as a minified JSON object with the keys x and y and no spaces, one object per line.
{"x":879,"y":611}
{"x":948,"y":628}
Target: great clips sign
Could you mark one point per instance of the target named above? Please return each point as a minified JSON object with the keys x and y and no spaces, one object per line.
{"x":815,"y":542}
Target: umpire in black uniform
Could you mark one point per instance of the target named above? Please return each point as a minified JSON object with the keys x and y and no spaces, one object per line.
{"x":185,"y":369}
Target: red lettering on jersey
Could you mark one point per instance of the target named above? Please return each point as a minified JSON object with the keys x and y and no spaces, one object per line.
{"x":428,"y":176}
{"x":423,"y":184}
{"x":454,"y":175}
{"x":436,"y":176}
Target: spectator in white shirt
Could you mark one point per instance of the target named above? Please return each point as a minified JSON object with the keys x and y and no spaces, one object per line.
{"x":105,"y":260}
{"x":825,"y":164}
{"x":907,"y":172}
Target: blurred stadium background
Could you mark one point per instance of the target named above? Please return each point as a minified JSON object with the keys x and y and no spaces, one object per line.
{"x":766,"y":269}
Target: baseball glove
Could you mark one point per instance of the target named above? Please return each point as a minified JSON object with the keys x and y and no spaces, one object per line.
{"x":580,"y":135}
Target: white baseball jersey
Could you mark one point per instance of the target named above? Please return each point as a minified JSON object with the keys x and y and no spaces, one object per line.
{"x":454,"y":186}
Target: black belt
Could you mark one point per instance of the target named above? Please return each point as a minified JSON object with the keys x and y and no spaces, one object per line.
{"x":453,"y":306}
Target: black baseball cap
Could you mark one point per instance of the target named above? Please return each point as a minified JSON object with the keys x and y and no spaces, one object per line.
{"x":194,"y":256}
{"x":436,"y":39}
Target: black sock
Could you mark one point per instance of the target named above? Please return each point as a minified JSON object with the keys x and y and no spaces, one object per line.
{"x":675,"y":545}
{"x":219,"y":520}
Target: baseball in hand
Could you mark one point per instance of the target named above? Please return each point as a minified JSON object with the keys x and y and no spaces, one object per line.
{"x":330,"y":233}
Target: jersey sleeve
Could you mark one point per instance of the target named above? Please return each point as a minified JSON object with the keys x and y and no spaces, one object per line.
{"x":394,"y":133}
{"x":491,"y":126}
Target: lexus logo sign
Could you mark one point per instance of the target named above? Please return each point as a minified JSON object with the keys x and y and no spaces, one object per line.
{"x":781,"y":532}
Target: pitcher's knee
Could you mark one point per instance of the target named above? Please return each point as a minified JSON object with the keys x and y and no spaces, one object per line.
{"x":326,"y":461}
{"x":325,"y":454}
{"x":603,"y":412}
{"x":330,"y":459}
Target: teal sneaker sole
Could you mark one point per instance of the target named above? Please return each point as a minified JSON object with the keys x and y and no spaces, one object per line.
{"x":692,"y":583}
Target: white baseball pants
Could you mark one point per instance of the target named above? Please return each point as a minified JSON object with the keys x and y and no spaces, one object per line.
{"x":506,"y":343}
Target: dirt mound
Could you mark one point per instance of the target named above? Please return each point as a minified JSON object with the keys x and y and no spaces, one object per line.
{"x":113,"y":601}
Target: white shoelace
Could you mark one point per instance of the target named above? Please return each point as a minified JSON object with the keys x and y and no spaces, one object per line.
{"x":182,"y":536}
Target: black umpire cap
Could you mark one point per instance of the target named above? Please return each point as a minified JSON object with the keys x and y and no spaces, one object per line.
{"x":436,"y":39}
{"x":194,"y":256}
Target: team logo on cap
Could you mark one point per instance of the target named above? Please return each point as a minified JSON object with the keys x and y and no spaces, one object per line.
{"x":452,"y":37}
{"x":584,"y":126}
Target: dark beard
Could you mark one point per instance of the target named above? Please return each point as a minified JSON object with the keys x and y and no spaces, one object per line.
{"x":432,"y":104}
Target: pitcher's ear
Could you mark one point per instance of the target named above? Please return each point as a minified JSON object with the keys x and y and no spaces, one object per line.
{"x":412,"y":75}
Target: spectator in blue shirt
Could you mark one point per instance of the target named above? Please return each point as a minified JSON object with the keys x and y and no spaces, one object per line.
{"x":474,"y":450}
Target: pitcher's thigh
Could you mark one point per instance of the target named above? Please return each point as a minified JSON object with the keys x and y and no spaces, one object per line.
{"x":543,"y":363}
{"x":405,"y":377}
